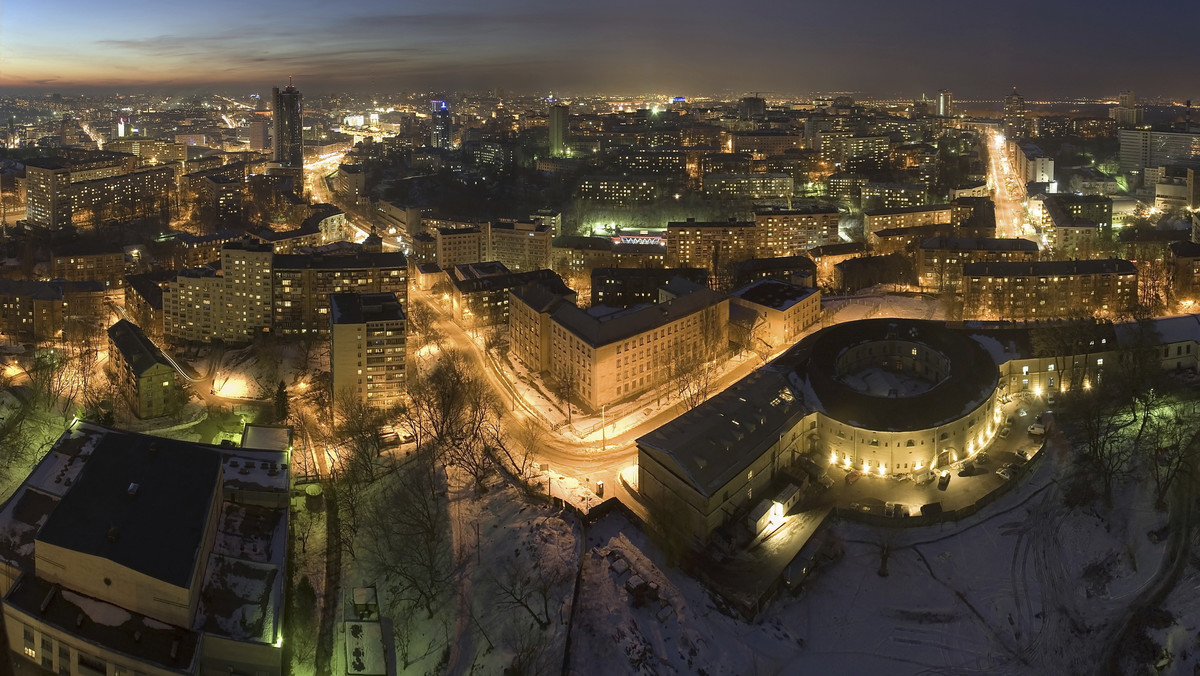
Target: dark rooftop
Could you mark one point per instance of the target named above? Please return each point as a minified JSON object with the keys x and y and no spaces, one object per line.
{"x":136,"y":349}
{"x":773,"y":293}
{"x":100,"y":623}
{"x":359,"y":308}
{"x":1040,"y":268}
{"x":356,"y":261}
{"x":979,"y":244}
{"x":159,"y":530}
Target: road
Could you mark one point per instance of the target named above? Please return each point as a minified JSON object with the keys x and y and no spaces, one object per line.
{"x":1007,"y":191}
{"x":567,"y":455}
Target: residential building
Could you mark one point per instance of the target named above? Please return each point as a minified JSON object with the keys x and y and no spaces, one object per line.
{"x":479,"y":291}
{"x":303,"y":283}
{"x":1015,"y":123}
{"x":1049,"y":289}
{"x":1148,"y":148}
{"x":583,"y":254}
{"x":144,"y":301}
{"x":456,"y":246}
{"x":940,"y":260}
{"x":787,"y":232}
{"x":147,"y":555}
{"x":89,"y":261}
{"x":747,"y":186}
{"x":603,"y":355}
{"x":780,"y":312}
{"x":42,"y":311}
{"x":233,"y":305}
{"x":799,"y":270}
{"x":876,"y":196}
{"x":1030,"y":164}
{"x":519,"y":245}
{"x":367,"y":347}
{"x":145,"y":379}
{"x":710,"y":244}
{"x":621,"y":190}
{"x":1183,"y":270}
{"x":622,"y":287}
{"x":875,"y":220}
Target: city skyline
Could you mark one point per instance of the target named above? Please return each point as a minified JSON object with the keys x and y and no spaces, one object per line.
{"x":882,"y":49}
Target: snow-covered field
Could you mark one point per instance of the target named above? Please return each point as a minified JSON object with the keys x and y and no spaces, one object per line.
{"x":1027,"y":586}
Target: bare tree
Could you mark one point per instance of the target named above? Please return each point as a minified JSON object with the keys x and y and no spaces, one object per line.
{"x":1171,"y":447}
{"x":524,"y":582}
{"x":407,"y":542}
{"x":563,"y":384}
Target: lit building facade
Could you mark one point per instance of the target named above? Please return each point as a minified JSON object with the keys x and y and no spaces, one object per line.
{"x":1049,"y":289}
{"x":367,"y":347}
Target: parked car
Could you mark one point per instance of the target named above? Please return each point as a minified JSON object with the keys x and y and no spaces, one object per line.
{"x":1037,"y":429}
{"x":824,"y":480}
{"x":944,"y":480}
{"x":1008,"y":421}
{"x":1004,"y":473}
{"x":981,"y":459}
{"x":859,"y":507}
{"x":1003,"y":434}
{"x":968,"y":469}
{"x":923,"y":477}
{"x":853,"y":476}
{"x":1023,"y":455}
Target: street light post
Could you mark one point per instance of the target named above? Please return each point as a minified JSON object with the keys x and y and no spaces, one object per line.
{"x":603,"y":429}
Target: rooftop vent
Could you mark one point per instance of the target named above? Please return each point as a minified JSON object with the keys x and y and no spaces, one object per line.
{"x":153,"y":447}
{"x":79,"y":620}
{"x":133,"y":489}
{"x":114,"y":534}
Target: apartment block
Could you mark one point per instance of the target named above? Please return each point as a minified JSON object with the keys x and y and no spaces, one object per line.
{"x":940,"y":260}
{"x":607,"y":355}
{"x":303,"y":283}
{"x":367,"y":347}
{"x":787,"y":232}
{"x":1049,"y":289}
{"x":781,"y":311}
{"x":145,"y":379}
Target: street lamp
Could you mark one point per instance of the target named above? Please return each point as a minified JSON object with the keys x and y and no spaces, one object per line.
{"x":603,"y":429}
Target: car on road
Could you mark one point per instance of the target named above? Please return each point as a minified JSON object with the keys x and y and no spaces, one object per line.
{"x":853,"y":476}
{"x":859,"y":507}
{"x":1004,"y":473}
{"x":1003,"y":434}
{"x":944,"y":481}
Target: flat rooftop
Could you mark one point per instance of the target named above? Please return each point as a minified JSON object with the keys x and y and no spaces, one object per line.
{"x":141,"y":502}
{"x":773,"y":293}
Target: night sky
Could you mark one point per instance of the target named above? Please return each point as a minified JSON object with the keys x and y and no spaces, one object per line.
{"x":880,"y":47}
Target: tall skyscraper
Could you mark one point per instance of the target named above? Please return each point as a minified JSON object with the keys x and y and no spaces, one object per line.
{"x":441,"y":133}
{"x":559,"y":120}
{"x":1014,"y":115}
{"x":289,"y":127}
{"x":945,"y":103}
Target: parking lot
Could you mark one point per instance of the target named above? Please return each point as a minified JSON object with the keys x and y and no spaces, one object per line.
{"x":873,"y":493}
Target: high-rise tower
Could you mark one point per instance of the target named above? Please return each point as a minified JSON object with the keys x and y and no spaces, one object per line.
{"x":945,"y":103}
{"x":441,"y":133}
{"x":289,"y":127}
{"x":1014,"y":115}
{"x":559,"y":119}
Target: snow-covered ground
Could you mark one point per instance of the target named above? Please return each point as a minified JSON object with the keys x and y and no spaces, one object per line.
{"x":1026,"y":586}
